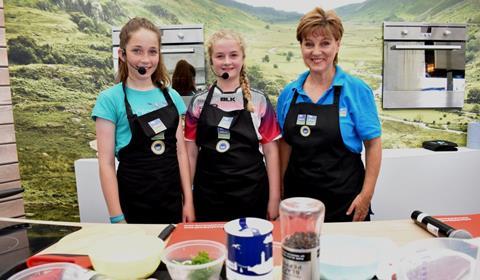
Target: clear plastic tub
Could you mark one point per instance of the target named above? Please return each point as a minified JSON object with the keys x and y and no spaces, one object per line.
{"x":438,"y":258}
{"x":58,"y":271}
{"x":177,"y":256}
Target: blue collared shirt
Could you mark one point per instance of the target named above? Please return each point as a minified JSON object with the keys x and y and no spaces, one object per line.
{"x":357,"y":113}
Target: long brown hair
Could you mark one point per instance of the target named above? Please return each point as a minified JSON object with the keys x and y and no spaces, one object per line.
{"x":183,"y":79}
{"x":244,"y":83}
{"x":160,"y":76}
{"x":326,"y":21}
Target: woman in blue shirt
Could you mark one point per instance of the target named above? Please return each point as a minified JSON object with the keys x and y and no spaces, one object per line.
{"x":326,"y":115}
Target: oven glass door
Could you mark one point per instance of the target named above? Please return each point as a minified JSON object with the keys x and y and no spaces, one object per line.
{"x":424,"y":66}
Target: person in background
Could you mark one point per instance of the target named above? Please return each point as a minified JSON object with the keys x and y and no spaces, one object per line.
{"x":326,"y":115}
{"x":137,"y":121}
{"x":183,"y":79}
{"x":229,"y":129}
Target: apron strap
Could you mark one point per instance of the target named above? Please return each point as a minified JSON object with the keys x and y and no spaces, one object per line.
{"x":208,"y":99}
{"x":337,"y":91}
{"x":130,"y":116}
{"x":294,"y":99}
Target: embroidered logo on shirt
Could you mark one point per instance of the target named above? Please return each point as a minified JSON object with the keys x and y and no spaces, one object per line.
{"x":228,"y":99}
{"x":343,"y":112}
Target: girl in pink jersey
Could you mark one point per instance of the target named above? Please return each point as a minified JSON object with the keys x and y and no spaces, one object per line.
{"x":230,"y":129}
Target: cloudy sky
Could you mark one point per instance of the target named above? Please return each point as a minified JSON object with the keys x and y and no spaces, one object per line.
{"x":300,"y":6}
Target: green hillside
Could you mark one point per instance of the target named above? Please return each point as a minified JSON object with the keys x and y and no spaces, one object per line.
{"x":377,"y":11}
{"x":264,"y":13}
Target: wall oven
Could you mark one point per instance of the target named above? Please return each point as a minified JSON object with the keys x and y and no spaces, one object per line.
{"x":178,"y":42}
{"x":423,"y":65}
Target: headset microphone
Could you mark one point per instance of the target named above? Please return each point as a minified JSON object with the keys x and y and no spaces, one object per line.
{"x":225,"y":76}
{"x":141,"y":70}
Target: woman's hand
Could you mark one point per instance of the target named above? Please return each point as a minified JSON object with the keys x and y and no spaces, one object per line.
{"x":360,"y":207}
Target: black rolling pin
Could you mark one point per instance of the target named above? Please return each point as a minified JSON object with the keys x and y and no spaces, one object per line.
{"x":438,"y":228}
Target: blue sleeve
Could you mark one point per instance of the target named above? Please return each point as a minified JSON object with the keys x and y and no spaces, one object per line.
{"x":178,"y":101}
{"x":104,"y":108}
{"x":365,"y":115}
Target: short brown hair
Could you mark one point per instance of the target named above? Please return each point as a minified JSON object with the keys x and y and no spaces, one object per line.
{"x":318,"y":19}
{"x":183,"y":78}
{"x":160,"y":76}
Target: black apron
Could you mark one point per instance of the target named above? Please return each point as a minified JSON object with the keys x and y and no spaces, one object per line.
{"x":148,"y":174}
{"x":230,"y":179}
{"x":320,"y":165}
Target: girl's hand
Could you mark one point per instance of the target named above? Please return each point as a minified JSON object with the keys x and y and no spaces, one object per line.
{"x":188,"y":213}
{"x":272,"y":209}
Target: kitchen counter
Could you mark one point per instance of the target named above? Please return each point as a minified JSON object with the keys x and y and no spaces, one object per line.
{"x":399,"y":231}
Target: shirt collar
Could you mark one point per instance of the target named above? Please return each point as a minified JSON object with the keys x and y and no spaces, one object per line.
{"x":338,"y":80}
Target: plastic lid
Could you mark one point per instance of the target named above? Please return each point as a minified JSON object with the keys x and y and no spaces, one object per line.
{"x":302,"y":205}
{"x":61,"y":271}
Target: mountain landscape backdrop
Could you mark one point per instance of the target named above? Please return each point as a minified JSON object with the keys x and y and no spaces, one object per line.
{"x":60,"y":56}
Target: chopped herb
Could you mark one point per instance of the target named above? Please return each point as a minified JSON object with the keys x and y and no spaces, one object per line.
{"x":201,"y":258}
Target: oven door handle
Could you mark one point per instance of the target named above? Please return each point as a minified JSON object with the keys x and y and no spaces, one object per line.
{"x":427,"y":47}
{"x":179,"y":50}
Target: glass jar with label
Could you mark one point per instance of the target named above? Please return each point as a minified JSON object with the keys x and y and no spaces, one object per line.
{"x":301,"y":221}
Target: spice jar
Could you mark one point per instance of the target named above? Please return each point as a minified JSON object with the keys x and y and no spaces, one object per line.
{"x":301,"y":221}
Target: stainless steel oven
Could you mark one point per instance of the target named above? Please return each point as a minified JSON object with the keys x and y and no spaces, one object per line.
{"x":178,"y":42}
{"x":423,"y":65}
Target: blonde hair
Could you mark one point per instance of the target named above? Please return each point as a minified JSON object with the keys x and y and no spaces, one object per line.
{"x":244,"y":82}
{"x":326,"y":22}
{"x":160,"y":76}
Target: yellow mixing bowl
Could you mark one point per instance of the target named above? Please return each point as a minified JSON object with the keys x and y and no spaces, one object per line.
{"x":131,"y":256}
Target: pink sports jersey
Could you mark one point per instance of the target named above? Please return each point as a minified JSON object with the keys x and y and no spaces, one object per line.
{"x":264,"y":118}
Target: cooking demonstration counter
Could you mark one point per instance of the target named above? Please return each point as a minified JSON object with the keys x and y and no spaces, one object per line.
{"x":399,"y":231}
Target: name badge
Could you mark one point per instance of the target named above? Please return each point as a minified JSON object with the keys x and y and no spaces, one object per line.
{"x":305,"y":131}
{"x":158,"y":147}
{"x":160,"y":136}
{"x":301,"y":119}
{"x":225,"y":122}
{"x":343,"y":112}
{"x":311,"y":120}
{"x":157,"y":125}
{"x":223,"y":133}
{"x":222,"y":146}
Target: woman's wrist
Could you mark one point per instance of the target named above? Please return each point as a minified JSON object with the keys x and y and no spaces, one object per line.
{"x":117,"y":219}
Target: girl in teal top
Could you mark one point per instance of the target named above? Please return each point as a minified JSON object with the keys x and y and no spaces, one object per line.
{"x":137,"y":121}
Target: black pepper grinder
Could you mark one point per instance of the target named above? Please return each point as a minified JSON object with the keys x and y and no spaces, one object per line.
{"x":301,"y":220}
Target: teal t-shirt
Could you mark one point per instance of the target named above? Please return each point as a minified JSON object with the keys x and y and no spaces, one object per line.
{"x":110,"y":106}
